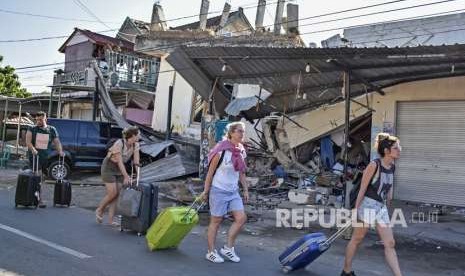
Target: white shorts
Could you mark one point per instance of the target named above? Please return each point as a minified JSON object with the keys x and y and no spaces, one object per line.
{"x":373,"y":212}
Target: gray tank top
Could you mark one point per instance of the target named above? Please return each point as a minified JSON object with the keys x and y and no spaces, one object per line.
{"x":378,"y":189}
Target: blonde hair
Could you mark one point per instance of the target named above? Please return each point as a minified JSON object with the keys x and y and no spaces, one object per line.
{"x":384,"y":141}
{"x":130,"y":132}
{"x":231,"y":127}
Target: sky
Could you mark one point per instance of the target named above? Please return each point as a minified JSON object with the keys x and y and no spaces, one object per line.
{"x":113,"y":13}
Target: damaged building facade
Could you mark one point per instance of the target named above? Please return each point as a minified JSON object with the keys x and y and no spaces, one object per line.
{"x":131,"y":77}
{"x":414,"y":93}
{"x":228,"y":29}
{"x":295,"y":101}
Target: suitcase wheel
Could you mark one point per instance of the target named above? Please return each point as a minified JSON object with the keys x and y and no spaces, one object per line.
{"x":286,"y":269}
{"x":139,"y":234}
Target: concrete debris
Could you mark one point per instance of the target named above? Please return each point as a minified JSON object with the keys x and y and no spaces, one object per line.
{"x":302,"y":196}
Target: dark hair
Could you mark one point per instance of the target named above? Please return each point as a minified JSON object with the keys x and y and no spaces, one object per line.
{"x":41,"y":114}
{"x":384,"y":141}
{"x":130,"y":132}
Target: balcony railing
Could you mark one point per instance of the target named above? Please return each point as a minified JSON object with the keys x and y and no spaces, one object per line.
{"x":120,"y":70}
{"x":131,"y":71}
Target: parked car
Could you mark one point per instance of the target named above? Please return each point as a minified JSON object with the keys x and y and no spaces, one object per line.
{"x":84,"y":143}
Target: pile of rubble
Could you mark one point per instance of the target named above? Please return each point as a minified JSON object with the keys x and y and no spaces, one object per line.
{"x":304,"y":175}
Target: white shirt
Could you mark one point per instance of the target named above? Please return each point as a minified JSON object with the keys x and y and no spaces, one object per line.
{"x":226,"y":177}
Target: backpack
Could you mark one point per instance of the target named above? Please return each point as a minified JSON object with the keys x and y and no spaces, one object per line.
{"x":358,"y":182}
{"x":111,"y":142}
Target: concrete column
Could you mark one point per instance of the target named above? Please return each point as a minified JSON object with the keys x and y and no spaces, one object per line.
{"x":278,"y":20}
{"x":204,"y":14}
{"x":225,"y":15}
{"x":260,"y":15}
{"x":292,"y":18}
{"x":158,"y":22}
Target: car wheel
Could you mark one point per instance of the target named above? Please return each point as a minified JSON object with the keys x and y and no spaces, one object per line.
{"x":57,"y":170}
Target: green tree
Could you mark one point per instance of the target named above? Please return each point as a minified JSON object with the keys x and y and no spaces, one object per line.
{"x":9,"y":83}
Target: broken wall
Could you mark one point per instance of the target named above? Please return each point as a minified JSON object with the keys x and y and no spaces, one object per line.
{"x":322,"y":120}
{"x":183,"y":95}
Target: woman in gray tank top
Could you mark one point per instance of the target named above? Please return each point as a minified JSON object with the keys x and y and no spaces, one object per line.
{"x":374,"y":197}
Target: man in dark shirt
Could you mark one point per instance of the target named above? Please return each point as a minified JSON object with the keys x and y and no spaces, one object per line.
{"x":39,"y":140}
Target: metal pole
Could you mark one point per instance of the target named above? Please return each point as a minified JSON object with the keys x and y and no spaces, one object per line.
{"x":170,"y":107}
{"x":19,"y":128}
{"x":346,"y":131}
{"x":4,"y":125}
{"x":95,"y":101}
{"x":59,"y":103}
{"x":50,"y":103}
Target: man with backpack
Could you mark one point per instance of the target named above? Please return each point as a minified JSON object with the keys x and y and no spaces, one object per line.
{"x":39,"y":140}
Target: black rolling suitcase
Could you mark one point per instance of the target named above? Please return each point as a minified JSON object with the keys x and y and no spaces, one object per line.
{"x":28,"y":186}
{"x":62,"y":191}
{"x":148,"y":209}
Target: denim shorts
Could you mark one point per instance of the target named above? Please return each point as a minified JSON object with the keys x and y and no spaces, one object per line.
{"x":373,"y":212}
{"x":222,"y":201}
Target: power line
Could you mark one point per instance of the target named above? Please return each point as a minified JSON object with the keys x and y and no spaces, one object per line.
{"x":209,"y":39}
{"x":311,"y":17}
{"x":38,"y":70}
{"x":88,"y":11}
{"x":379,"y":12}
{"x":51,"y":64}
{"x":53,"y":17}
{"x":33,"y":39}
{"x":246,"y":6}
{"x":453,"y":12}
{"x":401,"y":37}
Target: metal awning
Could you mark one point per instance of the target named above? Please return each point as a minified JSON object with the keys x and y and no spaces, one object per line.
{"x":305,"y":78}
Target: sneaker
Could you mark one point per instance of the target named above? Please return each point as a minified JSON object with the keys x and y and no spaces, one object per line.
{"x":343,"y":273}
{"x":230,"y":254}
{"x":214,"y":257}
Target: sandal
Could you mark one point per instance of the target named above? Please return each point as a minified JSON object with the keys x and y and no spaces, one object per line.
{"x":98,"y":217}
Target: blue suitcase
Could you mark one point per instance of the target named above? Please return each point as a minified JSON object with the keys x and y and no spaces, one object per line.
{"x":306,"y":250}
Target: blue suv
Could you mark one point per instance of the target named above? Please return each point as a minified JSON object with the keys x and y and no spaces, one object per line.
{"x":84,"y":143}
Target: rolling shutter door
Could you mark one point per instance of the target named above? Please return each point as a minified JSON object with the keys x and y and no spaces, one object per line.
{"x":431,"y":168}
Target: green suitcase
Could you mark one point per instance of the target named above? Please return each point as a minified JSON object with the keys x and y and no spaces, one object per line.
{"x":172,"y":225}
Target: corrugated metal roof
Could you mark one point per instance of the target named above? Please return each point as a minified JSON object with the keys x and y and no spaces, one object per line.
{"x":282,"y":71}
{"x":99,"y":39}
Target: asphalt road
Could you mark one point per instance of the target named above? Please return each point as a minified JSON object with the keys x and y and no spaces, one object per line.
{"x":67,"y":241}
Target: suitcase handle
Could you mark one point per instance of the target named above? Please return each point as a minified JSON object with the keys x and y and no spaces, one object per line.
{"x":337,"y":234}
{"x":199,"y":206}
{"x":35,"y":164}
{"x":61,"y":163}
{"x":132,"y":175}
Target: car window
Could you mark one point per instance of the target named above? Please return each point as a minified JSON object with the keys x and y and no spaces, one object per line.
{"x":66,"y":130}
{"x":89,"y":132}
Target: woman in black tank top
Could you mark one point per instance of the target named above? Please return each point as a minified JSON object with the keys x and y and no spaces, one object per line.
{"x":375,"y":195}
